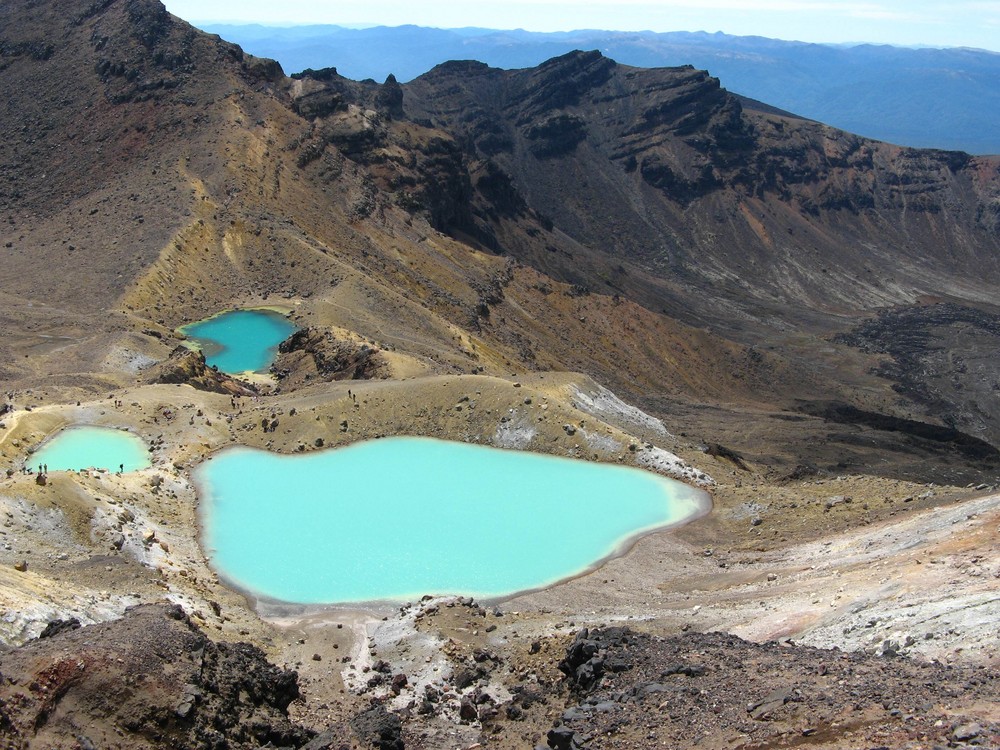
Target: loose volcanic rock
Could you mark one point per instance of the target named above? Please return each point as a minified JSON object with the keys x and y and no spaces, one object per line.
{"x":709,"y":687}
{"x":152,"y":677}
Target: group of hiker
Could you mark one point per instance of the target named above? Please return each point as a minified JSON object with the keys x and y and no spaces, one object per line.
{"x":43,"y":470}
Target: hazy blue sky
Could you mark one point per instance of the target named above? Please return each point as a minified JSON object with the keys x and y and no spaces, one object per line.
{"x":959,"y":23}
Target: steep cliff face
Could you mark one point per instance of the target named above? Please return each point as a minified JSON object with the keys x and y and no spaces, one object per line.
{"x":666,"y":173}
{"x":660,"y":186}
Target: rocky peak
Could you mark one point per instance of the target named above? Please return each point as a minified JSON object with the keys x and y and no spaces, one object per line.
{"x":458,"y":68}
{"x":318,"y":94}
{"x":563,"y":81}
{"x":390,"y":97}
{"x":150,"y":20}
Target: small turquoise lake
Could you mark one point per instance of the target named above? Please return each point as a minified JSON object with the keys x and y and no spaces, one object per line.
{"x":240,"y":340}
{"x":90,"y":447}
{"x":397,"y":518}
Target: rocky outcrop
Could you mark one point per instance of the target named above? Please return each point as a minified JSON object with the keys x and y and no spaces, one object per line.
{"x":319,"y":93}
{"x":593,"y":146}
{"x":144,"y":56}
{"x":555,"y":135}
{"x":424,"y":168}
{"x":390,"y":97}
{"x":311,"y":354}
{"x":188,"y":366}
{"x":150,"y":680}
{"x":565,"y":81}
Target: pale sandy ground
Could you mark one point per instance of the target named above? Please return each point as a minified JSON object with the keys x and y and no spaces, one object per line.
{"x":930,"y":582}
{"x":933,"y":577}
{"x":927,"y":579}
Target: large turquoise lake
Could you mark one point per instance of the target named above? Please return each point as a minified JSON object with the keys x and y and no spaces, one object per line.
{"x":240,"y":340}
{"x":90,"y":447}
{"x":397,"y":518}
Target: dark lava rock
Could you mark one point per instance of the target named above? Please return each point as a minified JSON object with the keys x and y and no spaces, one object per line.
{"x":562,"y":738}
{"x":149,"y":680}
{"x":463,"y":677}
{"x":467,"y":711}
{"x":55,"y":627}
{"x":379,"y":729}
{"x":967,"y":732}
{"x":585,"y":660}
{"x":399,"y":682}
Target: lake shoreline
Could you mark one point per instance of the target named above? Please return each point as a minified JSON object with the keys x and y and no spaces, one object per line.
{"x":538,"y":473}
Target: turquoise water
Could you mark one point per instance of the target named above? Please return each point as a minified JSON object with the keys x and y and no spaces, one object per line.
{"x":241,"y":340}
{"x":89,"y":447}
{"x":402,"y":517}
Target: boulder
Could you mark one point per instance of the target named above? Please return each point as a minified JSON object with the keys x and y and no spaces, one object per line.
{"x":467,"y":710}
{"x":397,"y":684}
{"x":379,"y":729}
{"x":562,"y":738}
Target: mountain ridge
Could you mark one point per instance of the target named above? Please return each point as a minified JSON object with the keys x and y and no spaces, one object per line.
{"x":921,"y":97}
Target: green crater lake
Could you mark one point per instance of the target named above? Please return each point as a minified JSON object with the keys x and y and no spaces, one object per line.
{"x":397,"y":518}
{"x":89,"y":447}
{"x":240,"y":340}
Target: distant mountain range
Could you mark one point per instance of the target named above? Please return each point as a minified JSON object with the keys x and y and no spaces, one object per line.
{"x":930,"y":98}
